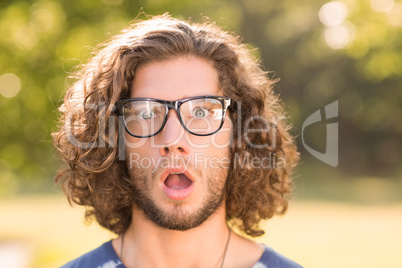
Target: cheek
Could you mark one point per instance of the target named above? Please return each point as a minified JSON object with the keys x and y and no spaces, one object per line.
{"x":223,"y":138}
{"x":215,"y":158}
{"x":133,"y":144}
{"x":220,"y":140}
{"x":139,"y":153}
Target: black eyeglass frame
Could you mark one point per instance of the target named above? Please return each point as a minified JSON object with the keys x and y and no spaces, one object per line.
{"x":175,"y":105}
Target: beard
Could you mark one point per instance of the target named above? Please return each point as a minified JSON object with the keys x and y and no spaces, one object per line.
{"x":179,"y":218}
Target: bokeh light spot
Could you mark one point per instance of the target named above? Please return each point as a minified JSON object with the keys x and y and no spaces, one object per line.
{"x":26,"y":37}
{"x":382,"y":5}
{"x":42,"y":20}
{"x":382,"y":65}
{"x":10,"y":85}
{"x":338,"y":37}
{"x":395,"y":15}
{"x":333,"y":13}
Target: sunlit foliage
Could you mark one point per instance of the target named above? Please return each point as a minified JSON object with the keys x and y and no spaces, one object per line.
{"x":349,"y":50}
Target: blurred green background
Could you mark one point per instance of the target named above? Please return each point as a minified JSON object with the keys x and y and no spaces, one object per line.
{"x":348,"y":51}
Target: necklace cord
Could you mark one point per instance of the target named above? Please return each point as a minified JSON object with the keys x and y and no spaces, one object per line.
{"x":226,"y":247}
{"x":121,"y":247}
{"x":224,"y":252}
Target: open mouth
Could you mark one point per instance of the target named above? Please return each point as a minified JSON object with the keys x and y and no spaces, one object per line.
{"x":177,"y":181}
{"x":177,"y":184}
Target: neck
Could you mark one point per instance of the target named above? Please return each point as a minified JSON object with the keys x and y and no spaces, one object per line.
{"x":148,"y":245}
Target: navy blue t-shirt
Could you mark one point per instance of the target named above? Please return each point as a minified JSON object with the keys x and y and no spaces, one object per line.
{"x":105,"y":257}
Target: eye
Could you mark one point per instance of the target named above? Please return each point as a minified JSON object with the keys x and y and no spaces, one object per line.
{"x":200,"y":113}
{"x":147,"y":114}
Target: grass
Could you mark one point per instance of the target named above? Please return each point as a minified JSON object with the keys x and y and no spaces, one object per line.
{"x":316,"y":234}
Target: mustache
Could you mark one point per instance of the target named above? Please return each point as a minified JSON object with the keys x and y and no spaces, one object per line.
{"x":176,"y":161}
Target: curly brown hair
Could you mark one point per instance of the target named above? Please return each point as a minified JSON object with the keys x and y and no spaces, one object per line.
{"x":88,"y":137}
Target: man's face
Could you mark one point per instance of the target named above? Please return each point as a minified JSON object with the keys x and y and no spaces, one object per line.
{"x":179,"y":178}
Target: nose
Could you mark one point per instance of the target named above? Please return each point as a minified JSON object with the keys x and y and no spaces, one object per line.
{"x":172,"y":136}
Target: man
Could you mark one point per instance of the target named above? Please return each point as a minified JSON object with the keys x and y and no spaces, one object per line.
{"x":172,"y":134}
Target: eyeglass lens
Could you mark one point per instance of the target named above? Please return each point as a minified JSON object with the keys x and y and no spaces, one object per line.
{"x":199,"y":116}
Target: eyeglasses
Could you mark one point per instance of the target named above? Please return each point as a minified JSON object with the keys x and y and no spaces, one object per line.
{"x":146,"y":117}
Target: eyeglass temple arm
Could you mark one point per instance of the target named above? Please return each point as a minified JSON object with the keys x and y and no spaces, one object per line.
{"x":231,"y":105}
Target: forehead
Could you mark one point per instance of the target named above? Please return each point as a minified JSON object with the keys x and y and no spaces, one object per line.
{"x":175,"y":78}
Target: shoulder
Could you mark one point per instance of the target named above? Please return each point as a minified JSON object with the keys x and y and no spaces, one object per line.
{"x":248,"y":253}
{"x":103,"y":256}
{"x":273,"y":259}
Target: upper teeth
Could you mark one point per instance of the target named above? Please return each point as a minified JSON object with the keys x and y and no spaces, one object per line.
{"x":176,"y":173}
